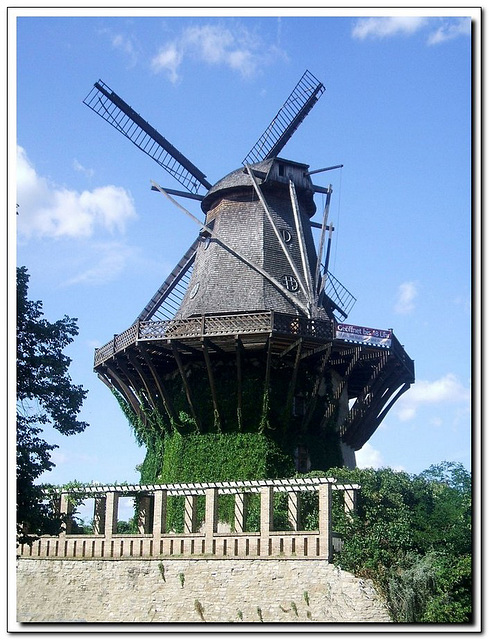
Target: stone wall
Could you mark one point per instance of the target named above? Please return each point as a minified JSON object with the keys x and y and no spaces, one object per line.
{"x":193,"y":591}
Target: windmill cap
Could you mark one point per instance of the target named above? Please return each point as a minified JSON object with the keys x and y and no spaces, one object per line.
{"x":267,"y":171}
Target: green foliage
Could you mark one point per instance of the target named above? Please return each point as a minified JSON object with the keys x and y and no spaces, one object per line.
{"x":128,"y":527}
{"x":45,"y":394}
{"x":161,"y":567}
{"x":200,"y":609}
{"x":214,"y":457}
{"x":412,"y":536}
{"x":435,"y":587}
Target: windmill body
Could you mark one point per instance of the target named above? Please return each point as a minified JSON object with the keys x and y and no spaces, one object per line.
{"x":265,"y":236}
{"x":245,"y":341}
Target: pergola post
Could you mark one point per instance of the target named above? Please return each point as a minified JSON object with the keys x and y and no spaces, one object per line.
{"x":111,"y":512}
{"x":266,"y":518}
{"x":66,"y":509}
{"x":99,"y":508}
{"x":240,"y":512}
{"x":159,"y":514}
{"x":294,"y":509}
{"x":190,"y":516}
{"x":145,"y":513}
{"x":325,"y":520}
{"x":210,"y":526}
{"x":350,"y":499}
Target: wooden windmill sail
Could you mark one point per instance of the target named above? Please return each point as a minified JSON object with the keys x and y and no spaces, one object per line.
{"x":247,"y":332}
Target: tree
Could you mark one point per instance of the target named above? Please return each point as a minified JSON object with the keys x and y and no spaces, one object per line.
{"x":412,"y":536}
{"x":45,"y":394}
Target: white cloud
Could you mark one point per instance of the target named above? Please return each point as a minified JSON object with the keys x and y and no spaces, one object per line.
{"x":450,"y":30}
{"x":406,"y":294}
{"x":238,"y":49}
{"x":126,"y":44}
{"x":387,"y":27}
{"x":108,"y":262}
{"x":48,"y":210}
{"x":368,"y":457}
{"x":168,"y":59}
{"x":445,"y":390}
{"x":77,"y":166}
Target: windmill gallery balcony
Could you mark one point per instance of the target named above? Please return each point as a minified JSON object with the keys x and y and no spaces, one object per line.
{"x":198,"y":539}
{"x":372,"y":366}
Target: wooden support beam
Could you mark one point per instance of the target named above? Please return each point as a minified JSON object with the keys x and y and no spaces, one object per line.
{"x":186,"y":386}
{"x":317,"y":350}
{"x":210,"y":374}
{"x":144,"y":379}
{"x":108,"y":383}
{"x":355,"y":353}
{"x":293,"y":381}
{"x":167,"y":402}
{"x":363,"y":417}
{"x":185,"y":347}
{"x":129,"y":375}
{"x":266,"y":386}
{"x":314,"y":397}
{"x":126,"y":393}
{"x":215,"y":347}
{"x":290,"y":348}
{"x":239,"y":389}
{"x":399,"y":393}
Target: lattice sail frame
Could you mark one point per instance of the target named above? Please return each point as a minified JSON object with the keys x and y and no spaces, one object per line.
{"x":302,"y":99}
{"x":114,"y":110}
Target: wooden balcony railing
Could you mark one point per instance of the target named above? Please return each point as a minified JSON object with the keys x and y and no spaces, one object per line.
{"x":266,"y":322}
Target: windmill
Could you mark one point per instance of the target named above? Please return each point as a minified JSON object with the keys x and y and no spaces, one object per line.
{"x":247,"y":334}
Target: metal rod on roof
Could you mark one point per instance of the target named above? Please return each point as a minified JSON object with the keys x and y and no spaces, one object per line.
{"x":326,"y":263}
{"x":324,"y":226}
{"x":336,"y":166}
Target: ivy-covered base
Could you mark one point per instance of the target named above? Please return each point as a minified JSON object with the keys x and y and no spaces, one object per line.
{"x":212,"y":457}
{"x":215,"y":457}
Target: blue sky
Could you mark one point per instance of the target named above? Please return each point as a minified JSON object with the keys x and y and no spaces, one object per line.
{"x":396,"y":113}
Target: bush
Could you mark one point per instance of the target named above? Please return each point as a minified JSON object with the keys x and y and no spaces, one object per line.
{"x":412,"y":536}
